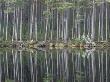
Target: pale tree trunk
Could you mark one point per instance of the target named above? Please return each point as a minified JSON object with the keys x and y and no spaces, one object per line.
{"x":73,"y":26}
{"x":13,"y":35}
{"x":78,"y":20}
{"x":102,"y":18}
{"x":66,"y":26}
{"x":16,"y":24}
{"x":21,"y":26}
{"x":31,"y":19}
{"x":7,"y":21}
{"x":57,"y":26}
{"x":99,"y":29}
{"x":106,"y":22}
{"x":84,"y":24}
{"x":46,"y":27}
{"x":0,"y":23}
{"x":62,"y":26}
{"x":36,"y":29}
{"x":92,"y":28}
{"x":4,"y":26}
{"x":52,"y":27}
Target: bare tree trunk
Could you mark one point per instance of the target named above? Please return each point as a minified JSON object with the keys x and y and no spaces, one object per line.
{"x":31,"y":20}
{"x":7,"y":22}
{"x":52,"y":27}
{"x":46,"y":29}
{"x":36,"y":22}
{"x":13,"y":35}
{"x":16,"y":24}
{"x":57,"y":26}
{"x":92,"y":28}
{"x":99,"y":29}
{"x":21,"y":26}
{"x":106,"y":22}
{"x":102,"y":19}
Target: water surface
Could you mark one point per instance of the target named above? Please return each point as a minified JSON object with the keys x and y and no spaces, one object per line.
{"x":55,"y":65}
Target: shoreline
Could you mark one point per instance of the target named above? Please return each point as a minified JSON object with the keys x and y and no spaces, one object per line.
{"x":52,"y":45}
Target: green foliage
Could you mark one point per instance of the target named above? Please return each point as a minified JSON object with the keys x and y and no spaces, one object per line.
{"x":46,"y":13}
{"x":11,"y":4}
{"x":79,"y":41}
{"x":64,"y":5}
{"x":11,"y":1}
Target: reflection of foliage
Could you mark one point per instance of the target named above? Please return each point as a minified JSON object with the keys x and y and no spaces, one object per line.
{"x":80,"y":75}
{"x":47,"y":78}
{"x":8,"y":80}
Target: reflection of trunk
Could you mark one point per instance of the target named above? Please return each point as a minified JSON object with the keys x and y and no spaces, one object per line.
{"x":35,"y":66}
{"x":1,"y":69}
{"x":46,"y":62}
{"x":106,"y":66}
{"x":15,"y":63}
{"x":7,"y":65}
{"x":52,"y":65}
{"x":31,"y":67}
{"x":93,"y":66}
{"x":66,"y":70}
{"x":102,"y":68}
{"x":21,"y":67}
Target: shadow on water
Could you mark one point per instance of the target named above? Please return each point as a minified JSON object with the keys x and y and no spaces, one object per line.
{"x":55,"y":66}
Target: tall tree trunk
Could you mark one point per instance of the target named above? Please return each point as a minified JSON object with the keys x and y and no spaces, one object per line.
{"x":1,"y":22}
{"x":57,"y":26}
{"x":13,"y":35}
{"x":92,"y":28}
{"x":102,"y":19}
{"x":46,"y":25}
{"x":31,"y":20}
{"x":36,"y":29}
{"x":7,"y":21}
{"x":21,"y":26}
{"x":99,"y":34}
{"x":106,"y":22}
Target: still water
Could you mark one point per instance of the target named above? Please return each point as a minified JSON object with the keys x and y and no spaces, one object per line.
{"x":65,"y":65}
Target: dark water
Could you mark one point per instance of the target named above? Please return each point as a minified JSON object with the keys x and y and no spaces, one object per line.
{"x":55,"y":66}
